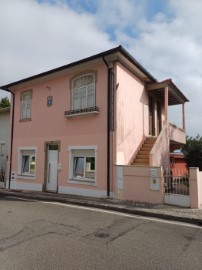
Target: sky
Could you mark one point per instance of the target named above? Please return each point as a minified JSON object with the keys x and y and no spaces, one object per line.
{"x":163,"y":35}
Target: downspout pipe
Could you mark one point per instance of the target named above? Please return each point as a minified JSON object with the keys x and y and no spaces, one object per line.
{"x":11,"y":141}
{"x":108,"y":126}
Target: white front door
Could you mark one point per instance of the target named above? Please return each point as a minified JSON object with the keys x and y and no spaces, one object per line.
{"x":52,"y":170}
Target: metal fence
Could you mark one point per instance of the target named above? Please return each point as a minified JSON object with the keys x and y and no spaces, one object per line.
{"x":175,"y":182}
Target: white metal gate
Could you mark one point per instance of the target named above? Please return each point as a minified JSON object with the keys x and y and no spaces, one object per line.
{"x":176,"y":188}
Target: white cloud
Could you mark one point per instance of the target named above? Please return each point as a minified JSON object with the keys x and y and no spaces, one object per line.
{"x":37,"y":37}
{"x":171,"y":48}
{"x":119,"y":13}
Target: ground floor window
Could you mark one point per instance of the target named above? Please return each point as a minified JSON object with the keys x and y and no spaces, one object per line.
{"x":27,"y":162}
{"x":82,"y":166}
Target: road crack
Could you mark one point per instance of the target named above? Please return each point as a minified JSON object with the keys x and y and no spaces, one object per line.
{"x":36,"y":229}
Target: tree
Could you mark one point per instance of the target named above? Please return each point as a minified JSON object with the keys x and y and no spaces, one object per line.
{"x":5,"y":102}
{"x":192,"y":151}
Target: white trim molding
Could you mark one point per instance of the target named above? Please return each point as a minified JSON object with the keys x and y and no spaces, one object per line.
{"x":83,"y":192}
{"x":25,"y":186}
{"x":82,"y":147}
{"x":176,"y":199}
{"x":78,"y":115}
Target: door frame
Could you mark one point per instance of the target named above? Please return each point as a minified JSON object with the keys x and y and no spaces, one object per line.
{"x":46,"y":148}
{"x":152,"y":125}
{"x":159,"y":117}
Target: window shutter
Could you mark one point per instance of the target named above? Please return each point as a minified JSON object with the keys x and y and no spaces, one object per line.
{"x":83,"y":97}
{"x":91,"y":95}
{"x":23,"y":109}
{"x":76,"y":99}
{"x":26,"y":106}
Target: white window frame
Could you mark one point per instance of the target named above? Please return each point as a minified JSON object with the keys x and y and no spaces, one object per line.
{"x":21,"y":151}
{"x":80,"y":95}
{"x":26,"y":98}
{"x":80,"y":150}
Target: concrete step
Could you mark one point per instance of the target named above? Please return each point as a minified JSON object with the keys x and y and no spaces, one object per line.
{"x":146,"y":148}
{"x":144,"y":156}
{"x":142,"y":160}
{"x":143,"y":152}
{"x":149,"y":142}
{"x":151,"y":139}
{"x":140,"y":164}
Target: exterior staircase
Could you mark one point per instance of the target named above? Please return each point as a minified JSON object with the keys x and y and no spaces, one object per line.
{"x":142,"y":158}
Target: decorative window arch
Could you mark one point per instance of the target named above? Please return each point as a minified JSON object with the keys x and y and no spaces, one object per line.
{"x":83,"y":92}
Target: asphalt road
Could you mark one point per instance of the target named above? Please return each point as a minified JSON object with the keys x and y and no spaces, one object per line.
{"x":42,"y":235}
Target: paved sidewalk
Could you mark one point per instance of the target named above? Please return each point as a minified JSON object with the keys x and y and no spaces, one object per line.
{"x":193,"y":216}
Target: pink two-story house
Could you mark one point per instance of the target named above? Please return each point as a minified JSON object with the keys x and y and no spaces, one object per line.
{"x":72,"y":125}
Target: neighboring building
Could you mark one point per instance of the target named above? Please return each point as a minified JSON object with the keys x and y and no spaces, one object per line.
{"x":74,"y":124}
{"x":178,"y":164}
{"x":4,"y":142}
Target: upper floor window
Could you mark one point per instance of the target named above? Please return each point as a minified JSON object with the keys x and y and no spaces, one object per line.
{"x":83,"y":92}
{"x":26,"y":105}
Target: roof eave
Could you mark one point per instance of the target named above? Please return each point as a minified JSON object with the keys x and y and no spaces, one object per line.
{"x":119,"y":49}
{"x":168,"y":83}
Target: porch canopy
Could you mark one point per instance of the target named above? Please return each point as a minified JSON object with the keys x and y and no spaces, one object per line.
{"x":169,"y":94}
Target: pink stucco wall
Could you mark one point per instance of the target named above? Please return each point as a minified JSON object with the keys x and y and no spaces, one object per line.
{"x":131,"y":113}
{"x":160,"y":153}
{"x":50,"y":124}
{"x":136,"y":184}
{"x":177,"y":134}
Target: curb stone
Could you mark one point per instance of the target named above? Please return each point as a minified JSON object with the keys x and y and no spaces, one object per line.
{"x":96,"y":203}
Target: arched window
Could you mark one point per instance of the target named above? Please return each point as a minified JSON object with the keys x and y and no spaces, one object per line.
{"x":83,"y":92}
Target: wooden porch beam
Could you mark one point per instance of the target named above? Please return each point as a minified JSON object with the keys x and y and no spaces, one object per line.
{"x":183,"y":116}
{"x":166,"y":104}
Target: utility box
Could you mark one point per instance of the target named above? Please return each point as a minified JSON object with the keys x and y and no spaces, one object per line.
{"x":154,"y":180}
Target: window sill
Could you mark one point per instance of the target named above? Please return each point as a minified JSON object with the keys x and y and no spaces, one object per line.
{"x":25,"y":120}
{"x":22,"y":176}
{"x":82,"y":182}
{"x":82,"y":113}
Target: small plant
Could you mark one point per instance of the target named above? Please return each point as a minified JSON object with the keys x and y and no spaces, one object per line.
{"x":4,"y":103}
{"x":192,"y":151}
